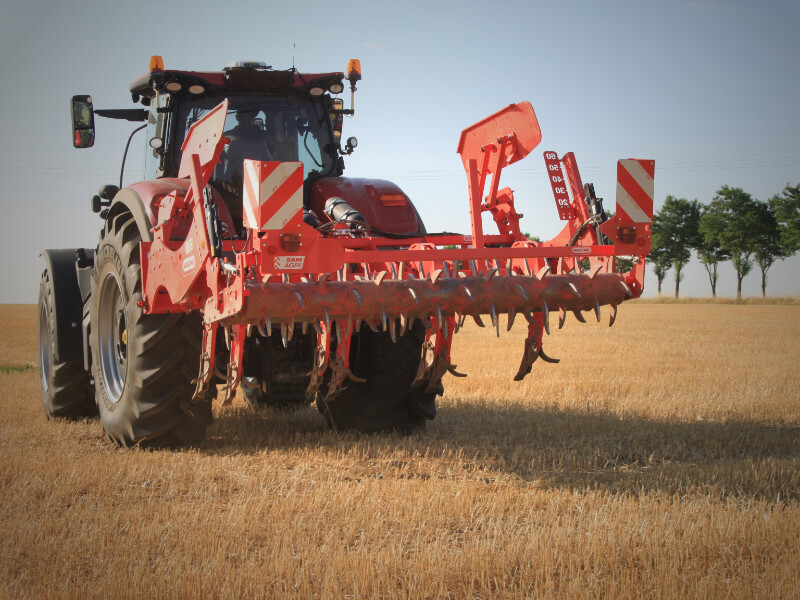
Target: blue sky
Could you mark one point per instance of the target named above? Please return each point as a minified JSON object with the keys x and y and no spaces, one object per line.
{"x":709,"y":89}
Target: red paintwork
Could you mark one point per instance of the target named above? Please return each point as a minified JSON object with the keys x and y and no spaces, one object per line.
{"x":340,"y":278}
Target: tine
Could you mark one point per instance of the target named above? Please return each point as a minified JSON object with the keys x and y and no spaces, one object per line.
{"x":357,"y":296}
{"x":456,"y":323}
{"x":495,"y":320}
{"x":422,"y":270}
{"x":317,"y":328}
{"x":597,"y":309}
{"x":249,"y":330}
{"x":403,"y":324}
{"x":579,"y":316}
{"x":284,"y":335}
{"x":290,"y":330}
{"x":285,"y":278}
{"x":357,"y":326}
{"x":383,"y":317}
{"x":345,"y":271}
{"x":491,"y":273}
{"x":478,"y":321}
{"x":445,"y":330}
{"x":426,"y":322}
{"x":349,"y":324}
{"x":463,"y":320}
{"x":526,"y":269}
{"x":452,"y":370}
{"x":410,"y":321}
{"x":546,"y":311}
{"x":327,"y":319}
{"x":379,"y":278}
{"x":392,"y":334}
{"x":227,"y":331}
{"x":266,"y":278}
{"x":393,"y":267}
{"x":562,"y":316}
{"x":522,"y":291}
{"x":269,"y":326}
{"x":438,"y":313}
{"x":594,"y":270}
{"x":435,"y":275}
{"x":613,"y":315}
{"x":367,"y":274}
{"x":474,"y":266}
{"x":299,"y":297}
{"x":461,"y":274}
{"x":560,"y":265}
{"x":304,"y":327}
{"x":446,"y":269}
{"x":509,"y":267}
{"x":497,"y":264}
{"x":529,"y":318}
{"x":468,"y":292}
{"x":337,"y":326}
{"x":304,"y":279}
{"x":548,"y":359}
{"x":323,"y":280}
{"x":372,"y":326}
{"x":512,"y":314}
{"x":574,"y":289}
{"x":543,"y":272}
{"x":261,"y":329}
{"x":626,"y":288}
{"x":413,"y":295}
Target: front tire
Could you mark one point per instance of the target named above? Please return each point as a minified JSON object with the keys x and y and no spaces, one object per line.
{"x":66,"y":388}
{"x":143,"y":364}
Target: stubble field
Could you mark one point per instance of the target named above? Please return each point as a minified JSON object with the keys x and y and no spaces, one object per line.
{"x":660,"y":459}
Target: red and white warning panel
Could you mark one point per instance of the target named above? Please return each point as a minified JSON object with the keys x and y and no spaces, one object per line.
{"x":559,"y":185}
{"x":273,"y":195}
{"x":635,"y":189}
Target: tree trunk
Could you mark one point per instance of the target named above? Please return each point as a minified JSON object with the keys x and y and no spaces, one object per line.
{"x":763,"y":283}
{"x":739,"y":278}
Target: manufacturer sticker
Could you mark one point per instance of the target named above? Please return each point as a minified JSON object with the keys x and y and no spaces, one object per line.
{"x":581,"y":250}
{"x":188,"y":264}
{"x":289,"y":263}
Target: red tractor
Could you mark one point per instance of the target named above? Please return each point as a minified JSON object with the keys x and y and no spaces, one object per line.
{"x":247,"y":259}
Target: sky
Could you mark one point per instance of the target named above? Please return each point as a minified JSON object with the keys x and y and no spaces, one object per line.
{"x":708,"y":89}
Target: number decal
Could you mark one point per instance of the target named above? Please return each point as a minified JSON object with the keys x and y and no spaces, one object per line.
{"x":560,"y":191}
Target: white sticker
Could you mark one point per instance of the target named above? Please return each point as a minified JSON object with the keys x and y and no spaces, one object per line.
{"x":581,"y":250}
{"x":289,"y":263}
{"x":188,"y":264}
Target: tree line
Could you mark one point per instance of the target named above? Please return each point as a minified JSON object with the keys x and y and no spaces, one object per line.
{"x":733,"y":226}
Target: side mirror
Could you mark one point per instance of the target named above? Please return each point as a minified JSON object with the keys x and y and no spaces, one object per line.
{"x":82,"y":122}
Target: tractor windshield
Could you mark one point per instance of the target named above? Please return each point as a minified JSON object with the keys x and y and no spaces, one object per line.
{"x":264,"y":128}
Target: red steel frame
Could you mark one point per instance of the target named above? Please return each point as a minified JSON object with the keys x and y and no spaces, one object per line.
{"x":348,"y":278}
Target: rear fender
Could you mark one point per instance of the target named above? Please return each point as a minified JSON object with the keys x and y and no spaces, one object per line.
{"x":62,"y":265}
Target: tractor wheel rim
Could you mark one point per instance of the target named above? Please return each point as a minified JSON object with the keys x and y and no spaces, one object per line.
{"x":44,"y":348}
{"x":112,"y":337}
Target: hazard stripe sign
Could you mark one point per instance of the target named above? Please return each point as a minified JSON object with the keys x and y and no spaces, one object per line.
{"x":635,"y":189}
{"x":273,"y":194}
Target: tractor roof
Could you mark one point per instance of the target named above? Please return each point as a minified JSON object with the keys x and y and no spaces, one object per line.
{"x":237,"y":77}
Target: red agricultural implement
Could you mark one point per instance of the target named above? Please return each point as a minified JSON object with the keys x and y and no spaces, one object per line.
{"x":250,"y":261}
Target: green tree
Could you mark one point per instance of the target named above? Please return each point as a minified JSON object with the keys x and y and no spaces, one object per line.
{"x":786,"y":206}
{"x":676,"y":230}
{"x":768,"y":247}
{"x":731,"y":223}
{"x":710,"y":254}
{"x":661,"y":264}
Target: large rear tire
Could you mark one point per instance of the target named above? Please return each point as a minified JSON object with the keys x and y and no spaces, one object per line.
{"x":142,"y":364}
{"x":66,"y":387}
{"x":386,"y":401}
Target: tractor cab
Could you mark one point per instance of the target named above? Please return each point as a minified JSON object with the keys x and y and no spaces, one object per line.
{"x":273,"y":115}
